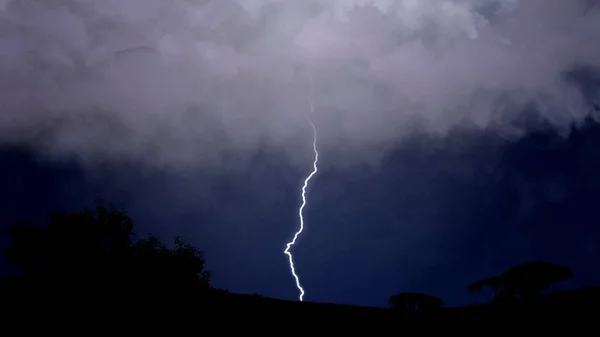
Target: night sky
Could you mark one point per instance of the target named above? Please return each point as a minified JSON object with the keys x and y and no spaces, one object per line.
{"x":457,"y":138}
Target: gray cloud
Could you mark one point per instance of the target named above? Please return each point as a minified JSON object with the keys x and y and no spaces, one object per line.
{"x":201,"y":83}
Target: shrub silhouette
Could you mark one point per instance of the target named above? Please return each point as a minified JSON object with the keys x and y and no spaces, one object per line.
{"x":412,"y":302}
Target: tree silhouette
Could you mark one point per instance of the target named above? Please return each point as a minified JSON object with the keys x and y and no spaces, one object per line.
{"x":412,"y":302}
{"x":494,"y":283}
{"x":531,"y":280}
{"x":97,"y":246}
{"x":523,"y":282}
{"x":77,"y":243}
{"x":183,"y":264}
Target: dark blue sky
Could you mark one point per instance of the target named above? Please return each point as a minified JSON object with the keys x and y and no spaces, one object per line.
{"x":431,"y":219}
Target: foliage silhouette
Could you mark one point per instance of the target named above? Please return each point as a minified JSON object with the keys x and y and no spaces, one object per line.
{"x":183,"y":263}
{"x":523,"y":282}
{"x":493,"y":283}
{"x":99,"y":245}
{"x":413,"y":302}
{"x":531,"y":280}
{"x":81,"y":243}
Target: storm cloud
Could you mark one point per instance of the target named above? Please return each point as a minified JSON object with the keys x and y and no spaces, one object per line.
{"x":207,"y":84}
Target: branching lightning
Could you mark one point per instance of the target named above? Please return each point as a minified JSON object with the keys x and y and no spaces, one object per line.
{"x":301,"y":209}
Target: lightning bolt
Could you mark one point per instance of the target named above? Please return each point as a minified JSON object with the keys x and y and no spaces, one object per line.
{"x":301,"y":209}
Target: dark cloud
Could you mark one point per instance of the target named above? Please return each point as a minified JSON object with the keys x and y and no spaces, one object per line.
{"x":189,"y":83}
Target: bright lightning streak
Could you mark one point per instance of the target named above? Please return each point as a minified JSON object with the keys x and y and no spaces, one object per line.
{"x":301,"y":209}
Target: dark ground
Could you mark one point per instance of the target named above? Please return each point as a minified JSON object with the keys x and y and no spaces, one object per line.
{"x":62,"y":305}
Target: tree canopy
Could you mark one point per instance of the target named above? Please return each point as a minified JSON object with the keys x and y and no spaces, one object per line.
{"x":523,"y":282}
{"x":98,"y":245}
